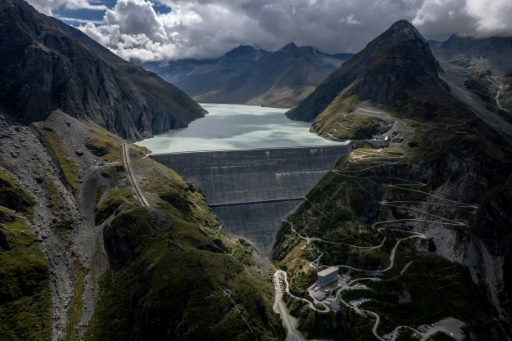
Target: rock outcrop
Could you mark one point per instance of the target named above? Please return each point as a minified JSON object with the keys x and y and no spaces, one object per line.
{"x":47,"y":65}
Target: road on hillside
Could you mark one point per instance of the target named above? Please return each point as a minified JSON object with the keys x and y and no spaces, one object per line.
{"x":289,"y":321}
{"x":133,"y":180}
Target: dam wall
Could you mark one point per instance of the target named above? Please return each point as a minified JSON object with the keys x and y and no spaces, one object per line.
{"x":253,"y":190}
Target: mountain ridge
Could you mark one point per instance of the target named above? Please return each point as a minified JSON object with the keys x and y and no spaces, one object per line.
{"x":78,"y":76}
{"x":250,"y":75}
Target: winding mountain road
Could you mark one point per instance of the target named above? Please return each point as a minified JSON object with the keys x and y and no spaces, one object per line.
{"x":279,"y":307}
{"x":429,"y":218}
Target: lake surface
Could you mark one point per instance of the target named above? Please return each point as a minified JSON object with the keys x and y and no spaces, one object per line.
{"x":230,"y":126}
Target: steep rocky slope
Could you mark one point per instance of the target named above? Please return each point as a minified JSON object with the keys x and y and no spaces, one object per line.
{"x":427,"y":219}
{"x":24,"y":280}
{"x":478,"y":71}
{"x":83,"y":257}
{"x":47,"y":66}
{"x":454,"y":190}
{"x":111,"y":267}
{"x":250,"y":75}
{"x":173,"y":274}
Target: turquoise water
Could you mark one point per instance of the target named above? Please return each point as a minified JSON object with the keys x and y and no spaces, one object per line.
{"x":229,"y":126}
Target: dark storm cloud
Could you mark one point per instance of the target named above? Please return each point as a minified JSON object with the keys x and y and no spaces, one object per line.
{"x":207,"y":28}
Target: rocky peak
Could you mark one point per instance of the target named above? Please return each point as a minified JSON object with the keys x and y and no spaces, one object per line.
{"x":398,"y":60}
{"x":400,"y":31}
{"x":394,"y":68}
{"x":244,"y":52}
{"x":401,"y":37}
{"x":290,"y":47}
{"x":297,"y":51}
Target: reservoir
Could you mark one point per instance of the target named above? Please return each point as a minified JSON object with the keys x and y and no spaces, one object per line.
{"x":232,"y":127}
{"x":253,"y":164}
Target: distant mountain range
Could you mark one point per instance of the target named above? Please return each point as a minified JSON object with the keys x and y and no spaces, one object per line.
{"x":250,"y":75}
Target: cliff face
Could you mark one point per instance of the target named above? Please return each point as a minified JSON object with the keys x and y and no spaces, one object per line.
{"x":397,"y":69}
{"x":47,"y":65}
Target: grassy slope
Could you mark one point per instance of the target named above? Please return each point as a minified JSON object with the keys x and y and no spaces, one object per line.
{"x":67,"y":165}
{"x":437,"y":287}
{"x":173,"y":268}
{"x":171,"y":263}
{"x":345,"y":323}
{"x":24,"y":281}
{"x":342,"y":209}
{"x":14,"y":197}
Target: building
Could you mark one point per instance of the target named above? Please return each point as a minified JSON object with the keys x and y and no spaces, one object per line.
{"x":334,"y":306}
{"x":327,"y":276}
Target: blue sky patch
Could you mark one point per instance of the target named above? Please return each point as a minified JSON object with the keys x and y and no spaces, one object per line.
{"x":81,"y":16}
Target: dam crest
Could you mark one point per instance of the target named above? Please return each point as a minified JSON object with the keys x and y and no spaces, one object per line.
{"x":253,"y":190}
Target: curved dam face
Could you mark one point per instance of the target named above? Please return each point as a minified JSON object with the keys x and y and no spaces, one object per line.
{"x":253,"y":190}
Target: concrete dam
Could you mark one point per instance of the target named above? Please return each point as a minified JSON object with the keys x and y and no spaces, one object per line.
{"x":253,"y":190}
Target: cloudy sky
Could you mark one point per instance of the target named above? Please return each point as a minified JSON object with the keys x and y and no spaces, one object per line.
{"x":173,"y":29}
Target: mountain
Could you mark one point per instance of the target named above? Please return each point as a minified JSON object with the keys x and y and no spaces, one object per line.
{"x":397,"y":68}
{"x":478,"y":72}
{"x":418,"y":216}
{"x":47,"y":65}
{"x":250,"y":75}
{"x":98,"y":241}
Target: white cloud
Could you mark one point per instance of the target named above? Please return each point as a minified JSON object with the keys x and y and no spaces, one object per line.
{"x":351,"y":20}
{"x":441,"y":17}
{"x":135,"y":17}
{"x":492,"y":17}
{"x":209,"y":28}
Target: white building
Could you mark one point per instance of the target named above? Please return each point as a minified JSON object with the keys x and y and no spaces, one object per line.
{"x":327,"y":276}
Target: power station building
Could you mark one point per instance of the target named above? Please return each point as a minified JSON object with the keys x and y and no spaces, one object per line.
{"x":327,"y":276}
